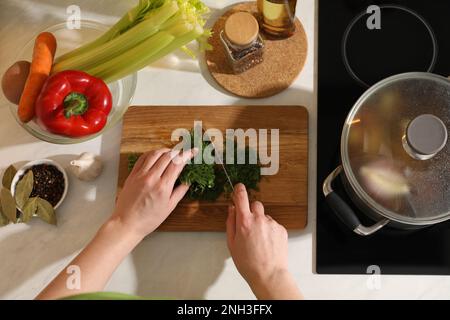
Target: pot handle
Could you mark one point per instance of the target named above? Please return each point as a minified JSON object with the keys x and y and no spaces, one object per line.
{"x":343,"y":210}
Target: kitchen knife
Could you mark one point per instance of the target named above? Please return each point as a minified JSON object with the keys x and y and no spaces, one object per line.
{"x":226,"y":173}
{"x":220,"y":160}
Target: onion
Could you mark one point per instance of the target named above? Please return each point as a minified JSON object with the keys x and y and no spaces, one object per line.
{"x":14,"y":79}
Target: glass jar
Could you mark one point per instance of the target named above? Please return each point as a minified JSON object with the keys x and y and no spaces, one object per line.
{"x":277,"y":17}
{"x":244,"y":46}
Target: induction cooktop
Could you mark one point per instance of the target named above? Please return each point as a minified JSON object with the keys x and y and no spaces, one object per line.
{"x":360,"y":43}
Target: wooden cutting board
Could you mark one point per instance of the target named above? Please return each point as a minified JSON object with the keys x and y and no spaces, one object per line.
{"x":284,"y":195}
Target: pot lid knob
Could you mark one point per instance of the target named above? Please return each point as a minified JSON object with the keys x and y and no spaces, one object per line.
{"x":426,"y":135}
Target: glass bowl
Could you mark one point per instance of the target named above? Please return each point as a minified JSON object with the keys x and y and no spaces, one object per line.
{"x":68,"y":39}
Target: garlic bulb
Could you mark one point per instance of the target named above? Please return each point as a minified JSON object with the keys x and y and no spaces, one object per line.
{"x":87,"y":166}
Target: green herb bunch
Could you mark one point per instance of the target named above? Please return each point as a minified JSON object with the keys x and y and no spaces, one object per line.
{"x":132,"y":159}
{"x":200,"y":178}
{"x":247,"y":173}
{"x":200,"y":175}
{"x":208,"y":180}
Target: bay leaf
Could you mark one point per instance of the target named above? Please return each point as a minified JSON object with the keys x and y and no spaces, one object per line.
{"x":29,"y":209}
{"x":3,"y":220}
{"x":45,"y":211}
{"x":8,"y":176}
{"x":23,"y":189}
{"x":8,"y":205}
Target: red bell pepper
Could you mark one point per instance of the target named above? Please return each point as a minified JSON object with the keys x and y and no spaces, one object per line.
{"x":74,"y":104}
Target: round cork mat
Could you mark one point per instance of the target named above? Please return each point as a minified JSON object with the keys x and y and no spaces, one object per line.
{"x":283,"y":61}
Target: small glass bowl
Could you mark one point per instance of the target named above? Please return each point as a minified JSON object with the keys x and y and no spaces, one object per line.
{"x":68,"y":39}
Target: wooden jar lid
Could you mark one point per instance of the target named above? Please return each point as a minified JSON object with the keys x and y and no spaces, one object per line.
{"x":241,"y":28}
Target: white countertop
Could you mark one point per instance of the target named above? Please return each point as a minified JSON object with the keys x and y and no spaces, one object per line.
{"x":180,"y":265}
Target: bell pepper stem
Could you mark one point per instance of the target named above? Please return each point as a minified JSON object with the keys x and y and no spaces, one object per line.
{"x":75,"y":104}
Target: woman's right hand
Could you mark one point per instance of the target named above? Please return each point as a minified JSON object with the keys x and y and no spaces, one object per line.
{"x":259,"y":247}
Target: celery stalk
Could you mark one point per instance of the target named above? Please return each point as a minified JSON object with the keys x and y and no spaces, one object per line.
{"x":126,"y":22}
{"x":178,"y":43}
{"x":138,"y":57}
{"x":151,"y":30}
{"x":119,"y":67}
{"x":124,"y":42}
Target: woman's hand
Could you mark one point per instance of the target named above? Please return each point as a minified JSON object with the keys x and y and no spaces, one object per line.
{"x":259,"y":247}
{"x":149,"y":194}
{"x":147,"y":198}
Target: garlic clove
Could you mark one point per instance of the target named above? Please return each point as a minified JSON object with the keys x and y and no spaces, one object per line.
{"x":87,"y":166}
{"x":82,"y":163}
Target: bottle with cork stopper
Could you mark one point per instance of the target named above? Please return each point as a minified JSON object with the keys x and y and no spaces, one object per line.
{"x":242,"y":42}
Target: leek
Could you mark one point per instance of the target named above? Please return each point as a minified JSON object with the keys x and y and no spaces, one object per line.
{"x":146,"y":33}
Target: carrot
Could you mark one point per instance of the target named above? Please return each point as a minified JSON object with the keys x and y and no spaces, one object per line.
{"x":41,"y":64}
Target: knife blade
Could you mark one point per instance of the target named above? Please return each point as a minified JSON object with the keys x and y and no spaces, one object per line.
{"x":228,"y":176}
{"x":220,"y":160}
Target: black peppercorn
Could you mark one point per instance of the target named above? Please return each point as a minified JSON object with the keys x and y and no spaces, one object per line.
{"x":48,"y":183}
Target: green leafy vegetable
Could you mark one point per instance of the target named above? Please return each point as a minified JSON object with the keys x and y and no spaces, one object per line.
{"x":146,"y":33}
{"x":8,"y":176}
{"x":200,"y":178}
{"x":207,"y":180}
{"x":132,"y":159}
{"x":247,"y":173}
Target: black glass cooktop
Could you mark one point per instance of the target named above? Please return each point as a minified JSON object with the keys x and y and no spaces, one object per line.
{"x":360,"y":43}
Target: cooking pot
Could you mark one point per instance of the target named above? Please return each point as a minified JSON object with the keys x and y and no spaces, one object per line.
{"x":395,"y":155}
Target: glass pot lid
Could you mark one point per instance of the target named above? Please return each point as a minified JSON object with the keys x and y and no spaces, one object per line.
{"x":395,"y":148}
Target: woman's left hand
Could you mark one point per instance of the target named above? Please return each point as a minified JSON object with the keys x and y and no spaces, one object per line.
{"x":149,"y":194}
{"x":147,"y":198}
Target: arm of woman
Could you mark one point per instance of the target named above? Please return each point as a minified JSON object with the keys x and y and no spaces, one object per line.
{"x":146,"y":200}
